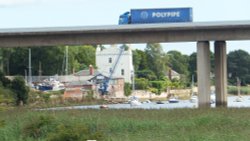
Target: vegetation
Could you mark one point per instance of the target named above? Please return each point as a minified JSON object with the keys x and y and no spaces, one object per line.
{"x":125,"y":125}
{"x":243,"y":90}
{"x":151,"y":65}
{"x":14,"y":91}
{"x":15,"y":60}
{"x":239,"y":66}
{"x":127,"y":89}
{"x":20,"y":89}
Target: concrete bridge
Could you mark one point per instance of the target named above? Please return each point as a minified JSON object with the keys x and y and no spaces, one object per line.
{"x":202,"y":33}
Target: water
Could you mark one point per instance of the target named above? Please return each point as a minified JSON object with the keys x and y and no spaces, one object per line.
{"x":166,"y":105}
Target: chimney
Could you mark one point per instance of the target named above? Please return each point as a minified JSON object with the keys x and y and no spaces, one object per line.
{"x":91,"y":70}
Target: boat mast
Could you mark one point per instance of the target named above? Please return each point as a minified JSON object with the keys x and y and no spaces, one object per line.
{"x":30,"y":79}
{"x":67,"y":60}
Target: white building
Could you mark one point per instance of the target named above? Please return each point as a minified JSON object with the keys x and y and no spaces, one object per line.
{"x":106,"y":59}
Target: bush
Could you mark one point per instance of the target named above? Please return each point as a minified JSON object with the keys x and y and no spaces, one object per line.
{"x":5,"y":82}
{"x":147,"y":74}
{"x":20,"y":89}
{"x":234,"y":90}
{"x":51,"y":129}
{"x":6,"y":96}
{"x":39,"y":127}
{"x":2,"y":123}
{"x":74,"y":133}
{"x":127,"y":89}
{"x":159,"y":85}
{"x":141,"y":83}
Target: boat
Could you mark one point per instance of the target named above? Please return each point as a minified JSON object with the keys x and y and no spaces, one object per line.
{"x":147,"y":101}
{"x":50,"y":85}
{"x":159,"y":102}
{"x":134,"y":101}
{"x":104,"y":107}
{"x":173,"y":100}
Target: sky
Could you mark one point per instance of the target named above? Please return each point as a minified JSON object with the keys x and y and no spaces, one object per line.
{"x":64,"y":13}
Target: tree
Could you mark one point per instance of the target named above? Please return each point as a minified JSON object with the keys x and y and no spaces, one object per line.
{"x":155,"y":57}
{"x":192,"y":65}
{"x":140,"y":61}
{"x":85,"y":56}
{"x":178,"y":62}
{"x":136,"y":59}
{"x":20,"y":89}
{"x":148,"y":74}
{"x":239,"y":66}
{"x":5,"y":82}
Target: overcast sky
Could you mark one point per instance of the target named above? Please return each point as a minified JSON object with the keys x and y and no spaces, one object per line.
{"x":55,"y":13}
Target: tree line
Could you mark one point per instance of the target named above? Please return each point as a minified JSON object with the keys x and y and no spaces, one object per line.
{"x":150,"y":64}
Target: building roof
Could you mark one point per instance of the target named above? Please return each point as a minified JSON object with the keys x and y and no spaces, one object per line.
{"x":85,"y":73}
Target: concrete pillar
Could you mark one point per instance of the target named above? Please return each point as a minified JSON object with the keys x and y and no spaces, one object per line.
{"x":203,"y":69}
{"x":220,"y":73}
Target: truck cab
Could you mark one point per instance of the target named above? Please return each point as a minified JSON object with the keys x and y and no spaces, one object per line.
{"x":125,"y":18}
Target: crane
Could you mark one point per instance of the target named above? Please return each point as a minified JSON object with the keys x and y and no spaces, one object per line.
{"x":104,"y":86}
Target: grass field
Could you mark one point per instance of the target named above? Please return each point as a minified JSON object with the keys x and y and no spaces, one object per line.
{"x":215,"y":124}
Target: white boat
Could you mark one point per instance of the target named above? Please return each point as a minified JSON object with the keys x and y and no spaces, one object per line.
{"x":135,"y":102}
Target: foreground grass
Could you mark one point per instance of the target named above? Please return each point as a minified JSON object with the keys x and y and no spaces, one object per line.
{"x":126,"y":125}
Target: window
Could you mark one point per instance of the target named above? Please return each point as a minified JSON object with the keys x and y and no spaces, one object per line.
{"x":122,"y":71}
{"x":110,"y":60}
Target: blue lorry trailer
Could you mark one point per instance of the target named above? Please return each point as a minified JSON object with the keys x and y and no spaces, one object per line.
{"x":162,"y":15}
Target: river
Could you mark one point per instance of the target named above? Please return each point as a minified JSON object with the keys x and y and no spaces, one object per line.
{"x":166,"y":105}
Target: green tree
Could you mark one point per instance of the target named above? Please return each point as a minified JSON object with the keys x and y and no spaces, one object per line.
{"x":155,"y":59}
{"x":178,"y":62}
{"x":20,"y":89}
{"x":85,"y":56}
{"x":5,"y":82}
{"x":6,"y":55}
{"x":148,"y":74}
{"x":192,"y":66}
{"x":239,"y":66}
{"x":51,"y":59}
{"x":136,"y":59}
{"x":140,"y":61}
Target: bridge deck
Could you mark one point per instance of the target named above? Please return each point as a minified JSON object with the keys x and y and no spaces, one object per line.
{"x":134,"y":33}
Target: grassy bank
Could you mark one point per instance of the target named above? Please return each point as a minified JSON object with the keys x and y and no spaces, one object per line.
{"x":126,"y":125}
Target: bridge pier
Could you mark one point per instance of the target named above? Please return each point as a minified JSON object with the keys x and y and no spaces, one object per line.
{"x":220,"y":73}
{"x":203,"y":72}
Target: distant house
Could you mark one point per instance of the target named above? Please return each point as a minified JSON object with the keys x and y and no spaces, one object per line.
{"x":77,"y":90}
{"x":171,"y":74}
